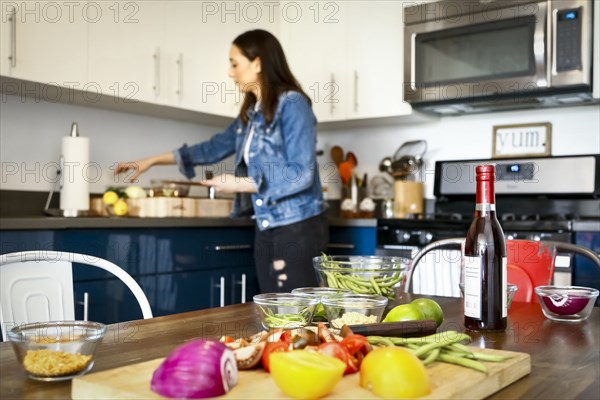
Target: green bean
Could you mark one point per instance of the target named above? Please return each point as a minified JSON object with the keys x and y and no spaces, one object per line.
{"x":464,"y":362}
{"x":444,"y":347}
{"x":375,"y":285}
{"x":434,"y":345}
{"x":433,"y":355}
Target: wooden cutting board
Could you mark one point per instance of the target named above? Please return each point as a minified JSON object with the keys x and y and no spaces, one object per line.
{"x":448,"y":381}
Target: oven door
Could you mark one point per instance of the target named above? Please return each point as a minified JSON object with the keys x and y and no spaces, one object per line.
{"x":438,"y":272}
{"x":495,"y":52}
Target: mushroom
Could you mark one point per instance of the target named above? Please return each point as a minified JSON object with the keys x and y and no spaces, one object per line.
{"x":248,"y":357}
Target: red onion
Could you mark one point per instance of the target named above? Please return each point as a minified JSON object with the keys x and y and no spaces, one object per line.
{"x":565,"y":304}
{"x":195,"y":370}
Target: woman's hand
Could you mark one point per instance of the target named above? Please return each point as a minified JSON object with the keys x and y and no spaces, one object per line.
{"x":135,"y":168}
{"x":140,"y":166}
{"x":228,"y":183}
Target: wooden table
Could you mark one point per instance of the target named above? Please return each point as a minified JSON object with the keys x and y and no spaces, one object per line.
{"x":565,"y":357}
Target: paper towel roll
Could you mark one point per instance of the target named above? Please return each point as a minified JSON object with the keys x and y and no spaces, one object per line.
{"x":75,"y":190}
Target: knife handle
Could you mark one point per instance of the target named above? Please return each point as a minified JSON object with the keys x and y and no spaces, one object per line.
{"x":395,"y":329}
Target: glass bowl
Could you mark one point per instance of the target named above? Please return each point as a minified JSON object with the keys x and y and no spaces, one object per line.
{"x":353,"y":309}
{"x":319,"y":314}
{"x":566,"y":303}
{"x":57,"y":350}
{"x":377,"y":275}
{"x":285,"y":310}
{"x":511,"y":289}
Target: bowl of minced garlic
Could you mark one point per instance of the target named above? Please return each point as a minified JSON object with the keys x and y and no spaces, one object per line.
{"x":56,"y":350}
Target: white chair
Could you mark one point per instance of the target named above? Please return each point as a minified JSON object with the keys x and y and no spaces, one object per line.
{"x":37,"y":286}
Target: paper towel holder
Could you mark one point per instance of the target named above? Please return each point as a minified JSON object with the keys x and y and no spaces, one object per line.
{"x":57,"y":212}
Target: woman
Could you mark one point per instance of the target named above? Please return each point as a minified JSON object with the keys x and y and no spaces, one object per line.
{"x":276,"y":173}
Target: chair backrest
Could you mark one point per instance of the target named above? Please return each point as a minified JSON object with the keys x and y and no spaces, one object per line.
{"x":530,"y":263}
{"x":37,"y":286}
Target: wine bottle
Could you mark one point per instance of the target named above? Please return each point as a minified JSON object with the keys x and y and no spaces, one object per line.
{"x":485,"y":260}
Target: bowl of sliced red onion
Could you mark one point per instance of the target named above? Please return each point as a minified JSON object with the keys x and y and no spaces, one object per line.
{"x":567,"y":303}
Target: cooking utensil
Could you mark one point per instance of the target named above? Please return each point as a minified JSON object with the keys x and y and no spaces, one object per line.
{"x":385,"y":165}
{"x":395,"y":329}
{"x":337,"y":155}
{"x":414,"y":148}
{"x":351,"y":157}
{"x":405,"y":164}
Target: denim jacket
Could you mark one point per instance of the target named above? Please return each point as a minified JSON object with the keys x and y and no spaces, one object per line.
{"x":282,"y":162}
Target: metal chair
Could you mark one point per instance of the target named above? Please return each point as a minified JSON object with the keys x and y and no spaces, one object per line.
{"x":530,"y":264}
{"x":37,"y":286}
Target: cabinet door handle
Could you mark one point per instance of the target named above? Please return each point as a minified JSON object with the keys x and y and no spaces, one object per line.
{"x":341,"y":245}
{"x":156,"y":57}
{"x":332,"y":90}
{"x":221,"y":287}
{"x":13,"y":37}
{"x":86,"y":304}
{"x":242,"y":283}
{"x":355,"y":90}
{"x":232,"y":247}
{"x":180,"y":76}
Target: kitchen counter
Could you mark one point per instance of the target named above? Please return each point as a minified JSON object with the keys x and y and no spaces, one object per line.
{"x":37,"y":223}
{"x":565,"y":358}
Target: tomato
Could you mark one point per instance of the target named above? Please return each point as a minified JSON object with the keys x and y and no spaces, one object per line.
{"x":338,"y":351}
{"x":394,"y":372}
{"x":226,"y":339}
{"x":273,"y":347}
{"x":355,"y":343}
{"x":304,"y":374}
{"x":286,"y":337}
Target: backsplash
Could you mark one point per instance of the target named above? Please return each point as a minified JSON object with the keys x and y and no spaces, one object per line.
{"x":32,"y":131}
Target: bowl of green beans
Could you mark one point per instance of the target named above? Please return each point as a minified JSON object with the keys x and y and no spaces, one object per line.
{"x":285,"y":310}
{"x":377,"y":275}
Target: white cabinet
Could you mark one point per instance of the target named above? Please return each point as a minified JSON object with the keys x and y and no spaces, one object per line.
{"x":198,"y":39}
{"x":45,"y":41}
{"x":314,"y":39}
{"x":127,"y":51}
{"x":350,"y":65}
{"x":375,"y":60}
{"x":173,"y":53}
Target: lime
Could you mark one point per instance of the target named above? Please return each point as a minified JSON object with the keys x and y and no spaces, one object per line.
{"x":430,"y":309}
{"x":110,"y":197}
{"x":404,"y":312}
{"x":120,"y":208}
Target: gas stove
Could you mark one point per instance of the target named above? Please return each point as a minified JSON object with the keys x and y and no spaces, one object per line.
{"x":541,"y":204}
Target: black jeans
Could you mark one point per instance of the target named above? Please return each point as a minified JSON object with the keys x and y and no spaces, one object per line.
{"x":283,"y":255}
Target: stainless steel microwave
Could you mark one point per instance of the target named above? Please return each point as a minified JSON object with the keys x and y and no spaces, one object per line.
{"x":467,"y":56}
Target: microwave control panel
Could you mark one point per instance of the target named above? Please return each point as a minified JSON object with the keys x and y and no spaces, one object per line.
{"x":568,"y":40}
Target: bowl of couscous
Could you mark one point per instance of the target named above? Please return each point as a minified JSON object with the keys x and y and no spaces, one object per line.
{"x":57,"y":350}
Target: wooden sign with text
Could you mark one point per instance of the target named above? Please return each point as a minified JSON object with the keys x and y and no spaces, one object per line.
{"x":526,"y":140}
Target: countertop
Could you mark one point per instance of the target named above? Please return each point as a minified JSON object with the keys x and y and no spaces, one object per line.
{"x":564,"y":357}
{"x":42,"y":222}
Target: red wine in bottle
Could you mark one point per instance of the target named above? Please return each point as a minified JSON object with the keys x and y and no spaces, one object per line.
{"x":485,"y":260}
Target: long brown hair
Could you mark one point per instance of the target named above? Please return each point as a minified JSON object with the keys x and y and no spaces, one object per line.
{"x":276,"y":76}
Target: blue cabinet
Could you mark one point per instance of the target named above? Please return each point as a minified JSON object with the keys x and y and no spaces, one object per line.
{"x":352,"y":240}
{"x":179,"y":269}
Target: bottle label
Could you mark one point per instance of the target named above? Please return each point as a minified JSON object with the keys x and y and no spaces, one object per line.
{"x":473,"y":287}
{"x":483,"y":207}
{"x":504,"y":287}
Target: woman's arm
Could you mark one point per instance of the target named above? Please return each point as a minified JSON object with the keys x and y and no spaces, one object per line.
{"x":140,"y":166}
{"x":300,"y":139}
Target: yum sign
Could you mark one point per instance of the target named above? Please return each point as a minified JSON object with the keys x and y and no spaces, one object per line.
{"x":528,"y":140}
